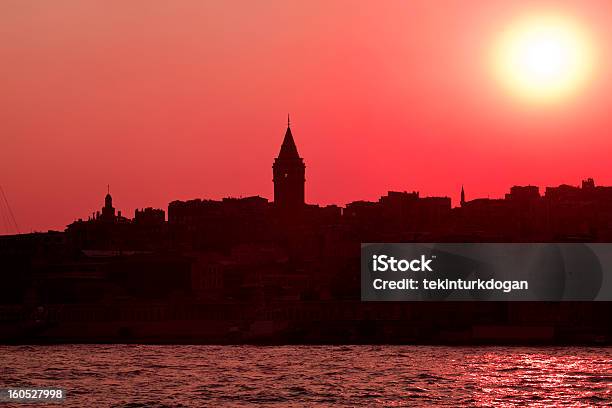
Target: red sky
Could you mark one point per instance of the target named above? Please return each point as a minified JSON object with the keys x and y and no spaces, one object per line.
{"x":178,"y":100}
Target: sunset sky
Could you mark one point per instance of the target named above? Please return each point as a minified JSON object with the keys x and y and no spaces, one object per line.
{"x":178,"y":100}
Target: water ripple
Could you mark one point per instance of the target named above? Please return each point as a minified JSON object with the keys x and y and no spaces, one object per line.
{"x":297,"y":376}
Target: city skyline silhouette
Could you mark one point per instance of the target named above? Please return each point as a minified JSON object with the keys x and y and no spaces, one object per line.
{"x":287,"y":162}
{"x":250,"y":270}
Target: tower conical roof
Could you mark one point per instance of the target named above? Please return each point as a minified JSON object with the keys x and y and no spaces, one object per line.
{"x":288,"y":149}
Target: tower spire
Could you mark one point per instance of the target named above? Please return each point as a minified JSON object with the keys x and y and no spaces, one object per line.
{"x":288,"y":149}
{"x":462,"y":196}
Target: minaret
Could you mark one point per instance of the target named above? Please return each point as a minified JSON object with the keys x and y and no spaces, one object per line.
{"x":462,"y":197}
{"x":288,"y":173}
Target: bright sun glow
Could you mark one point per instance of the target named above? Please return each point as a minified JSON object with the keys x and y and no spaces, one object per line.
{"x":544,"y":59}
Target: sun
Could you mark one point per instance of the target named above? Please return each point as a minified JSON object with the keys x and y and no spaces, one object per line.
{"x":544,"y":58}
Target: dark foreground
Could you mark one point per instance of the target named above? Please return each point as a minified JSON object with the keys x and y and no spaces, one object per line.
{"x":193,"y":376}
{"x":311,"y":322}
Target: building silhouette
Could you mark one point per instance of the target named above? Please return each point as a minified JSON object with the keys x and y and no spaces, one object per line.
{"x":288,"y":173}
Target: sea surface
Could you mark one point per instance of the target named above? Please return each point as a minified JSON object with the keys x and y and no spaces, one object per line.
{"x":322,"y":376}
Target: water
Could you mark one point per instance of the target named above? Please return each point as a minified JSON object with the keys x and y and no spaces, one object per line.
{"x":297,"y":376}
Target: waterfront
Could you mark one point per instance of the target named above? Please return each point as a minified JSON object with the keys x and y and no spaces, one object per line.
{"x":296,"y":376}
